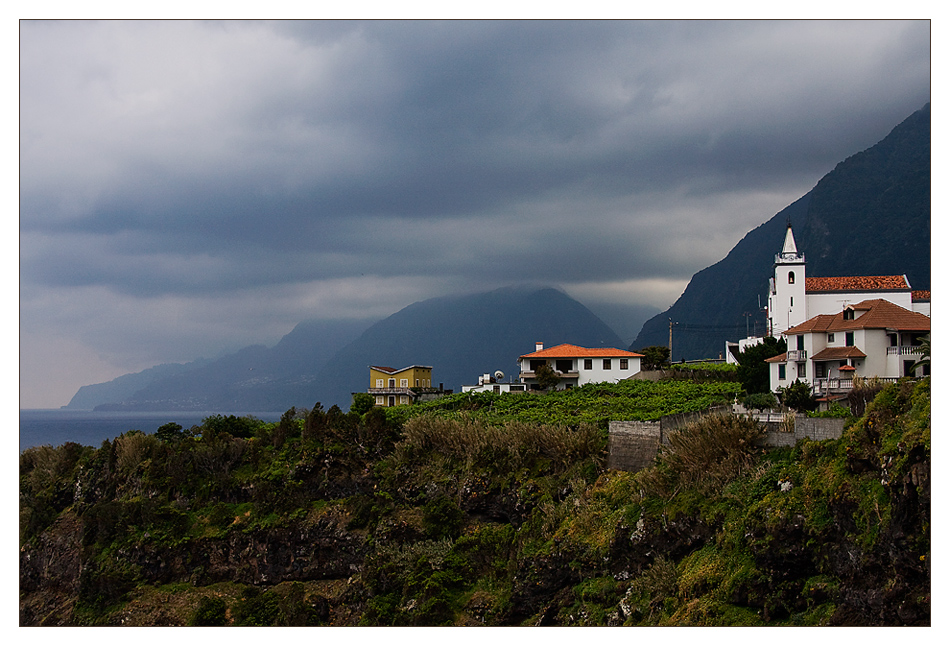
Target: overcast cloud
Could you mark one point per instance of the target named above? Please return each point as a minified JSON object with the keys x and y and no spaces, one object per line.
{"x":188,"y":188}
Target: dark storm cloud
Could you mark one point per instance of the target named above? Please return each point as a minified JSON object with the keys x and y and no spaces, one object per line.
{"x":179,"y":161}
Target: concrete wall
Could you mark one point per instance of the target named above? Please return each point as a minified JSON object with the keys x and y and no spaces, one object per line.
{"x":633,"y":445}
{"x":813,"y":428}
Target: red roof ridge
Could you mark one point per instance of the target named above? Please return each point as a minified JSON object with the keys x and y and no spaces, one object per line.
{"x":569,"y":350}
{"x":855,"y":283}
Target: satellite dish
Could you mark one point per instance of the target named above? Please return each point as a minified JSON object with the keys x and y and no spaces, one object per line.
{"x":499,"y":375}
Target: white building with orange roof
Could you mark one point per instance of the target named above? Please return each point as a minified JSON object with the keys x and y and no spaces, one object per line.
{"x":872,"y":338}
{"x":577,"y":366}
{"x":794,"y":298}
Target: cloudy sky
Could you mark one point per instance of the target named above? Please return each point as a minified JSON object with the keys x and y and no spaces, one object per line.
{"x":188,"y":188}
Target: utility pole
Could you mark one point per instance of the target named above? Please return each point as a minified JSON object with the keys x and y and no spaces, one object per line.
{"x":671,"y":340}
{"x":747,"y":315}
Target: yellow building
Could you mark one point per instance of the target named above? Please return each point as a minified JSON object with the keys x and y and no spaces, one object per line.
{"x":392,"y":387}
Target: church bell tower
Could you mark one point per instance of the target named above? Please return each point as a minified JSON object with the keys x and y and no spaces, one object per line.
{"x":787,"y":288}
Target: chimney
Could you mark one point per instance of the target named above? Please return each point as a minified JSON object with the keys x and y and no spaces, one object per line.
{"x":538,"y":346}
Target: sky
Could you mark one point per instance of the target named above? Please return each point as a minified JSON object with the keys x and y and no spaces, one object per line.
{"x":190,"y":188}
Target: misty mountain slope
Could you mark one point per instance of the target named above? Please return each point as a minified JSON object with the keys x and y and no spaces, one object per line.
{"x":869,"y":216}
{"x":254,"y":378}
{"x":462,"y":337}
{"x":123,"y":387}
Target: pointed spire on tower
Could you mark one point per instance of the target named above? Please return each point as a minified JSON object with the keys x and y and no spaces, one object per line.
{"x":789,"y":249}
{"x":789,"y":246}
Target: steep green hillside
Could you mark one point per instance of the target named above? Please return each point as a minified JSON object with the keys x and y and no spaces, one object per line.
{"x":469,"y":518}
{"x":869,"y":216}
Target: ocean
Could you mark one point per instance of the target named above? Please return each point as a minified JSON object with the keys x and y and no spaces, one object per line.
{"x":57,"y":426}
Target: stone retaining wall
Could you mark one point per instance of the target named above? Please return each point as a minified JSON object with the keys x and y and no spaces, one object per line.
{"x":633,"y":445}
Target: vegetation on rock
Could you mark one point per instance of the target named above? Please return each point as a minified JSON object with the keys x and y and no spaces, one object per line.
{"x":484,"y":510}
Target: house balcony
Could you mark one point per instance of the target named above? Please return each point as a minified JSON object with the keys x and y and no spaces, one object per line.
{"x":796,"y":355}
{"x":905,"y":350}
{"x":838,"y":384}
{"x":562,"y":375}
{"x":390,"y":391}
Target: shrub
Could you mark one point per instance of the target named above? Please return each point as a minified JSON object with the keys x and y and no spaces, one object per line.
{"x":706,"y":454}
{"x":211,"y":611}
{"x":442,"y":518}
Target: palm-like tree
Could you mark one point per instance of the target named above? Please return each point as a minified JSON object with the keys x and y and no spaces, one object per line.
{"x":924,"y":352}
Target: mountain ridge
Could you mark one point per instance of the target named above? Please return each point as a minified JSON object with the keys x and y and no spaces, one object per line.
{"x":870,"y":215}
{"x":461,"y":335}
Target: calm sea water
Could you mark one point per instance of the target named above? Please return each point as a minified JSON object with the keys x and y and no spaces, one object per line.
{"x":89,"y":428}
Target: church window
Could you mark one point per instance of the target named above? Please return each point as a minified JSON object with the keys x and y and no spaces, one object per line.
{"x":791,"y":278}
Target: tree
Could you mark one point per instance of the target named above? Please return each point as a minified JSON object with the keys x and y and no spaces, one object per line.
{"x":546,"y":377}
{"x":362,"y":402}
{"x":655,"y":357}
{"x":798,"y":396}
{"x":753,"y":372}
{"x":924,"y":351}
{"x":760,"y":401}
{"x":170,"y":432}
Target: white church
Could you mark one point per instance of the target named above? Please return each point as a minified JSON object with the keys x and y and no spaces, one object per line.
{"x":839,"y":327}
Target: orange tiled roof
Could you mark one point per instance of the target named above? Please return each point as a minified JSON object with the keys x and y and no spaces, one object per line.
{"x":920,"y":295}
{"x":854,"y":283}
{"x":566,"y":350}
{"x":878,"y":314}
{"x":779,"y":358}
{"x":814,"y":324}
{"x":830,"y":354}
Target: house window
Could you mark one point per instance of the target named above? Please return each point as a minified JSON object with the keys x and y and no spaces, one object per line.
{"x":801,"y":370}
{"x":417,"y":383}
{"x":403,"y":399}
{"x":819,"y":371}
{"x":380,"y":400}
{"x":624,"y":364}
{"x":392,"y":383}
{"x":606,"y":364}
{"x":379,"y":383}
{"x":564,"y":365}
{"x":781,"y":372}
{"x":848,"y":315}
{"x":831,"y":338}
{"x":403,"y":383}
{"x":791,"y":278}
{"x":800,"y":342}
{"x":849,"y":339}
{"x":537,"y":363}
{"x":588,"y":364}
{"x":892,"y":340}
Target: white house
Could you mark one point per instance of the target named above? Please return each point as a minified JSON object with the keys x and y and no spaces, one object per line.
{"x":873,"y":338}
{"x":577,"y":366}
{"x":488,"y":383}
{"x":795,"y":297}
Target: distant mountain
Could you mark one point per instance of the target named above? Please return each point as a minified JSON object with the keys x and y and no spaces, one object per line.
{"x":869,"y":216}
{"x":255,"y":378}
{"x":462,"y":337}
{"x":121,"y":388}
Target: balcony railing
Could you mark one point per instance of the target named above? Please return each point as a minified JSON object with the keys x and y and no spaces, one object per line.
{"x":904,"y":349}
{"x":796,"y":355}
{"x":839,"y":383}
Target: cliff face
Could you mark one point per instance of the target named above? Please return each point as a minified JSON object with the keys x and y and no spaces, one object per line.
{"x":348,"y":521}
